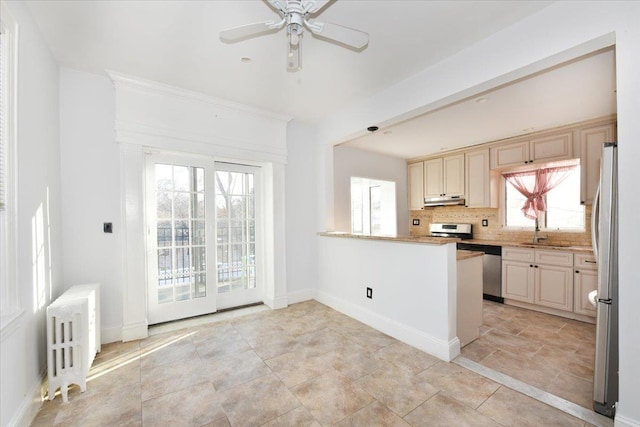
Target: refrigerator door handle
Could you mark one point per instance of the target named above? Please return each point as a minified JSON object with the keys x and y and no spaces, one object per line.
{"x":595,"y":219}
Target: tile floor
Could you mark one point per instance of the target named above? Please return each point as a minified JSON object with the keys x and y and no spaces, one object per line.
{"x":548,"y":352}
{"x":306,"y":365}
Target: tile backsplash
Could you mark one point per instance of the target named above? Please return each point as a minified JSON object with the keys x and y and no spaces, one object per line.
{"x":494,"y":231}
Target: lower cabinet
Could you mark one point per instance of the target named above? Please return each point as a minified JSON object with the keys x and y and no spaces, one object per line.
{"x":585,"y":280}
{"x":543,"y":278}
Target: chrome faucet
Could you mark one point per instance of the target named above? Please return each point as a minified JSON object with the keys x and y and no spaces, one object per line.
{"x":536,"y":237}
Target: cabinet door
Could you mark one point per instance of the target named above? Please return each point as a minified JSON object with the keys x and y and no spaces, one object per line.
{"x":591,"y":141}
{"x":515,"y":153}
{"x":517,"y":281}
{"x":556,"y":147}
{"x":416,"y":186}
{"x":584,"y":281}
{"x":433,"y":178}
{"x":554,"y":287}
{"x":477,"y":179}
{"x":453,"y":175}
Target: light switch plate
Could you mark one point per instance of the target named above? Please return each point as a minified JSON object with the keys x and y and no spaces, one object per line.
{"x":416,"y":221}
{"x":485,"y":222}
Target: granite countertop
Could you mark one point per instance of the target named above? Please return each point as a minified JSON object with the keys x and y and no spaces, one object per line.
{"x":410,"y":239}
{"x":544,"y":245}
{"x":462,"y":254}
{"x":445,"y":240}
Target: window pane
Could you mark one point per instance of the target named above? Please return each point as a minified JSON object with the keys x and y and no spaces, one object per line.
{"x":514,"y":203}
{"x":199,"y":259}
{"x":198,"y":206}
{"x":563,"y":204}
{"x":197,"y":228}
{"x":164,"y":177}
{"x":181,"y":205}
{"x":164,"y":205}
{"x":199,"y":181}
{"x":237,"y":207}
{"x":181,"y":233}
{"x":164,"y":233}
{"x":181,"y":178}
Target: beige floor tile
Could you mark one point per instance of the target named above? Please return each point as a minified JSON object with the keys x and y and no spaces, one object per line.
{"x":117,"y":406}
{"x":232,"y":343}
{"x":374,"y":414}
{"x":525,"y":369}
{"x":220,"y":422}
{"x":584,"y":332}
{"x":273,"y":345}
{"x":566,"y":361}
{"x":465,"y":386}
{"x":477,"y":350}
{"x":321,"y":342}
{"x":515,"y":344}
{"x":445,"y":411}
{"x":228,"y":371}
{"x":574,"y":389}
{"x":299,"y":417}
{"x":296,"y":368}
{"x":193,"y":406}
{"x":173,"y":350}
{"x":406,"y":357}
{"x":510,"y":326}
{"x":258,"y":401}
{"x":370,"y":338}
{"x":212,"y":332}
{"x":396,"y":388}
{"x":331,"y":397}
{"x":535,"y":334}
{"x":170,"y":377}
{"x":544,"y":321}
{"x":511,"y":408}
{"x":253,"y":328}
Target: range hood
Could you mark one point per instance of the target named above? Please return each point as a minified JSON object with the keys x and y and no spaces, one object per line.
{"x":443,"y":201}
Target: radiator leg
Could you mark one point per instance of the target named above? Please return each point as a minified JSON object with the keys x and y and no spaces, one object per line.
{"x":64,"y":390}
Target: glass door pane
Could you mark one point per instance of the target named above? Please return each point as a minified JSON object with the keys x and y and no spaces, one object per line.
{"x":179,"y":262}
{"x":237,"y":234}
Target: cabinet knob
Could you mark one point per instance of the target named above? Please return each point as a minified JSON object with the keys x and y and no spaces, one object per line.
{"x":577,"y":272}
{"x":530,"y":265}
{"x":535,"y":266}
{"x":582,"y":202}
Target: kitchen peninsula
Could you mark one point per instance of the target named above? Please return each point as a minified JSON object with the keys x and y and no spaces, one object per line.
{"x":404,"y":286}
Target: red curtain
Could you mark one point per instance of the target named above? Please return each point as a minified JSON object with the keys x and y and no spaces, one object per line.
{"x":534,"y":184}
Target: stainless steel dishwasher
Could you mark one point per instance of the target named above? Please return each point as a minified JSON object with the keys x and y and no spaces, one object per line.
{"x":491,"y":269}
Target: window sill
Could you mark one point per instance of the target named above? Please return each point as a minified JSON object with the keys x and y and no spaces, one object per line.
{"x":9,"y":323}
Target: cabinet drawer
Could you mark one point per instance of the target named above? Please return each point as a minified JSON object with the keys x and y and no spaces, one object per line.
{"x":585,"y":261}
{"x":518,"y":254}
{"x":554,"y":258}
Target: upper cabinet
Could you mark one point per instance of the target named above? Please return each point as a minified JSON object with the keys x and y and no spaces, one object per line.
{"x":416,"y":186}
{"x":478,"y":183}
{"x":444,"y":176}
{"x":537,"y":150}
{"x":591,"y":142}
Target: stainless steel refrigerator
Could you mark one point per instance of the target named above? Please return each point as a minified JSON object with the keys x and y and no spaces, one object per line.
{"x":604,"y":231}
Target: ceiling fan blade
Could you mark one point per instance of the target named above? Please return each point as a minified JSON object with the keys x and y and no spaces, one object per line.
{"x":246,"y":31}
{"x":345,"y":35}
{"x":318,"y":5}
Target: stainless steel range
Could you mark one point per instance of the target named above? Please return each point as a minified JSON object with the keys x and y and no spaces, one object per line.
{"x":462,"y":231}
{"x":491,"y":260}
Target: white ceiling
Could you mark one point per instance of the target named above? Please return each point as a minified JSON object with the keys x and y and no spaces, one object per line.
{"x":177,"y":43}
{"x":580,"y":90}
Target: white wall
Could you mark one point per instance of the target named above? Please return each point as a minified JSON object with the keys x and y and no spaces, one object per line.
{"x":91,"y":190}
{"x":301,"y":178}
{"x":350,"y":162}
{"x":560,"y":32}
{"x":408,"y":304}
{"x":23,"y":355}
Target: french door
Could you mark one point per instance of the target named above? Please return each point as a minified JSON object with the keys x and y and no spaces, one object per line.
{"x":237,"y":234}
{"x":201,"y":240}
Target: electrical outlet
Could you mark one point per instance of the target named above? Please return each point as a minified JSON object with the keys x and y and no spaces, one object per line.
{"x":369,"y":293}
{"x":416,"y":221}
{"x":107,"y":227}
{"x":485,"y":222}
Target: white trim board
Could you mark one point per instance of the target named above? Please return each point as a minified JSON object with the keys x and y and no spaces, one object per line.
{"x":446,"y":351}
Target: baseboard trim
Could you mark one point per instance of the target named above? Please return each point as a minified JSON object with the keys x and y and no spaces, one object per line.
{"x":300,"y":296}
{"x":276,"y":303}
{"x":138,"y":331}
{"x":444,"y":350}
{"x":622,"y":421}
{"x":109,"y":335}
{"x":31,"y":404}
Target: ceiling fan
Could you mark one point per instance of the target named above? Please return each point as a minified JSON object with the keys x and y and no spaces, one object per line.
{"x":295,"y":18}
